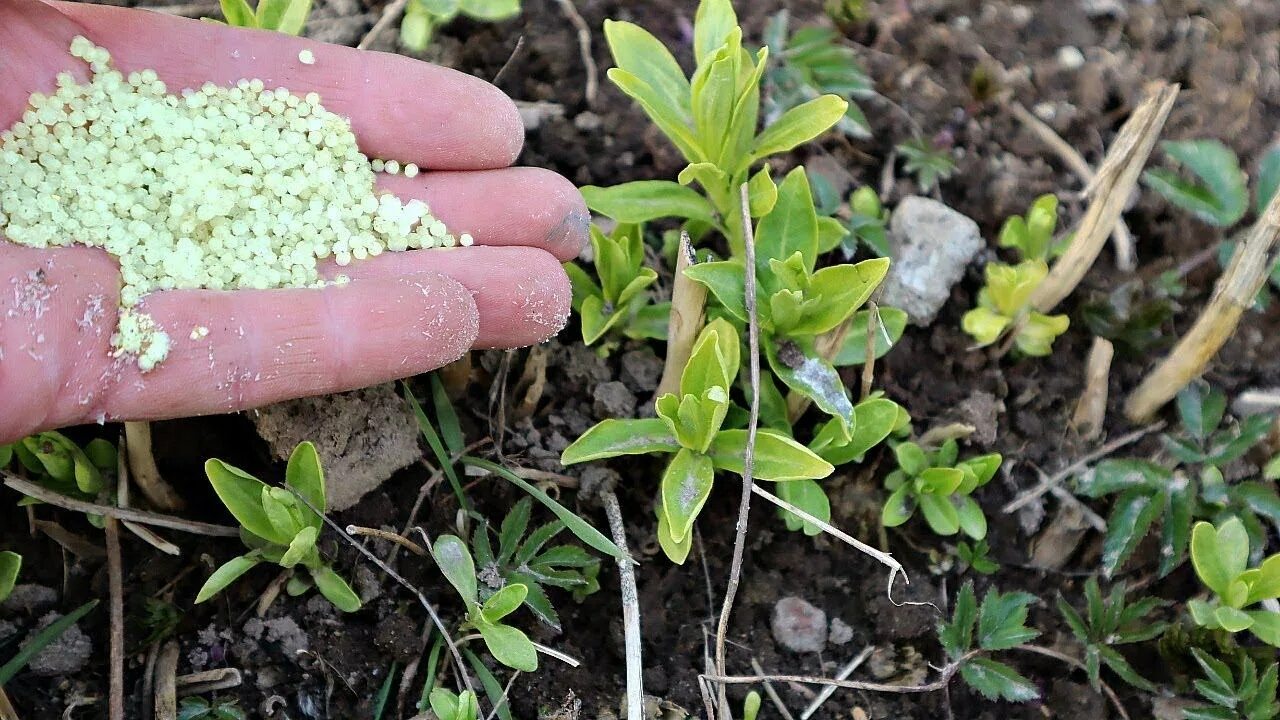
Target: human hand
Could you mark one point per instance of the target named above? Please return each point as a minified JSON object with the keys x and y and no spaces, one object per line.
{"x":403,"y":313}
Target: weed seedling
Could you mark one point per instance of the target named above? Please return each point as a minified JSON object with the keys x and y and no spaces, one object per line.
{"x":868,"y":219}
{"x":42,"y":640}
{"x":1220,"y":556}
{"x":928,"y":162}
{"x":286,"y":16}
{"x":507,"y":644}
{"x":620,"y":302}
{"x":1245,"y":695}
{"x":1108,"y":623}
{"x":1000,"y":624}
{"x":807,"y":64}
{"x":940,"y":487}
{"x":976,"y":556}
{"x":56,"y":462}
{"x":525,"y":560}
{"x":689,"y":426}
{"x":448,"y":706}
{"x":279,"y":528}
{"x":423,"y":17}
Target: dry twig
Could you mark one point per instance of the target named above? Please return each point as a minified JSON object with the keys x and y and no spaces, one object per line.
{"x":142,"y":465}
{"x":688,"y":312}
{"x":115,"y":584}
{"x":830,"y":690}
{"x":7,"y":711}
{"x":400,"y":540}
{"x":166,"y":682}
{"x":584,"y":49}
{"x":773,"y":694}
{"x":390,"y":14}
{"x":1053,"y":481}
{"x":208,"y":681}
{"x":1091,"y":409}
{"x":748,"y":455}
{"x":630,"y":608}
{"x":26,"y":487}
{"x":1232,"y":295}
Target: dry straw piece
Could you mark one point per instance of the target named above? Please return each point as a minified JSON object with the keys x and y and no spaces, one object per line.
{"x":217,"y":188}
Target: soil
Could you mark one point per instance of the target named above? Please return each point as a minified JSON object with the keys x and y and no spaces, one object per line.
{"x":307,"y":661}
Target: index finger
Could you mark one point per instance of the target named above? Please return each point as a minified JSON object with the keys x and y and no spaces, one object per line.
{"x":400,"y":108}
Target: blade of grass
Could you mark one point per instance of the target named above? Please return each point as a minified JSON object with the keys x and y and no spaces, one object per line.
{"x":446,"y":416}
{"x":433,"y":668}
{"x":437,"y":447}
{"x":42,"y":640}
{"x":380,"y":704}
{"x":579,"y":527}
{"x":492,"y":687}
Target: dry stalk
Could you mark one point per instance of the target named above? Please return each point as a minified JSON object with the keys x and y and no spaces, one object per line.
{"x":166,"y":682}
{"x":1116,"y":178}
{"x":122,"y":500}
{"x":400,"y":540}
{"x":1121,"y":238}
{"x":947,"y":673}
{"x":830,"y":690}
{"x":26,"y":487}
{"x":584,"y":49}
{"x":630,"y":608}
{"x":773,"y":694}
{"x":688,"y":313}
{"x":1052,"y":482}
{"x":142,"y":464}
{"x":115,"y":585}
{"x":748,"y":455}
{"x":7,"y":711}
{"x":208,"y":681}
{"x":1091,"y":409}
{"x":71,"y":542}
{"x":390,"y":14}
{"x":1233,"y":294}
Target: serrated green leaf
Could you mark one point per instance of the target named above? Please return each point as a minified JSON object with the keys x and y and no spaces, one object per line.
{"x":1002,"y":620}
{"x":997,"y":681}
{"x":1130,"y":520}
{"x":956,"y":636}
{"x":1219,"y":197}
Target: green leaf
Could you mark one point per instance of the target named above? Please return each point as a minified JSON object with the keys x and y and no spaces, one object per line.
{"x":1120,"y":666}
{"x":100,"y":452}
{"x":238,"y":13}
{"x":10,"y":564}
{"x":1002,"y":620}
{"x":1113,"y":476}
{"x":726,"y":279}
{"x":799,"y":125}
{"x":225,"y":575}
{"x":940,"y":514}
{"x":280,"y":505}
{"x":777,"y":457}
{"x":997,"y":681}
{"x":491,"y":10}
{"x":444,"y":459}
{"x":611,"y":438}
{"x":1219,"y":555}
{"x":686,"y":485}
{"x":762,"y":193}
{"x":513,"y":528}
{"x":874,"y":420}
{"x":504,"y":602}
{"x":305,"y":475}
{"x":302,"y":545}
{"x":893,"y":322}
{"x":809,"y":497}
{"x":294,"y":18}
{"x":1231,"y":619}
{"x":416,"y":28}
{"x":1220,"y":197}
{"x":712,"y":24}
{"x":576,"y":525}
{"x":1130,"y":520}
{"x":791,"y":227}
{"x":335,"y":589}
{"x":972,"y":521}
{"x":957,"y":636}
{"x":899,"y":507}
{"x":1266,"y":625}
{"x":242,"y":494}
{"x":35,"y":645}
{"x":444,"y":704}
{"x":841,"y":289}
{"x":911,"y":458}
{"x":810,"y":376}
{"x":714,"y":360}
{"x":676,"y":550}
{"x":1268,"y":178}
{"x":510,"y":646}
{"x":454,"y":559}
{"x":645,"y":200}
{"x":714,"y":93}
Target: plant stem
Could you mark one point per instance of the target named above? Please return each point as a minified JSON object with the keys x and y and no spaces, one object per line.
{"x":688,"y":313}
{"x":630,"y":608}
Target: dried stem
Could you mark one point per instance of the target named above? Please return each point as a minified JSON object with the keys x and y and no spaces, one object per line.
{"x":400,"y":540}
{"x":773,"y":694}
{"x":115,"y":585}
{"x":1063,"y":657}
{"x":630,"y":608}
{"x":584,"y":49}
{"x":1091,"y":409}
{"x":1233,"y":294}
{"x":209,"y":681}
{"x":948,"y":672}
{"x":166,"y":682}
{"x":830,"y":690}
{"x":688,"y":313}
{"x":1075,"y":162}
{"x":1110,"y":190}
{"x":142,"y":464}
{"x":390,"y":14}
{"x":1066,"y":472}
{"x":748,"y":455}
{"x":26,"y":487}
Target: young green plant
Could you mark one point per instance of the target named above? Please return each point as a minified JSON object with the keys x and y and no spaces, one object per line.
{"x":1244,"y":695}
{"x":10,"y":565}
{"x":56,"y":462}
{"x":1220,"y":556}
{"x":279,"y":528}
{"x":620,"y":304}
{"x":929,"y":163}
{"x":690,"y":426}
{"x":508,"y":645}
{"x":220,"y":708}
{"x":423,"y":17}
{"x":449,"y":706}
{"x":286,"y":16}
{"x":807,"y":64}
{"x":1000,"y":624}
{"x":940,"y":487}
{"x":1110,"y":622}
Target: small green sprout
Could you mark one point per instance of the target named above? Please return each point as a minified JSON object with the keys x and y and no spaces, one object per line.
{"x":976,"y":556}
{"x":751,"y":706}
{"x":286,"y":16}
{"x":448,"y":706}
{"x":1004,"y":303}
{"x":278,"y":527}
{"x":620,"y":303}
{"x":56,"y":462}
{"x":423,"y":17}
{"x":940,"y":487}
{"x":807,"y":64}
{"x":526,"y":560}
{"x":867,"y":222}
{"x":1235,"y":696}
{"x":1191,"y":487}
{"x":1218,"y":196}
{"x":220,"y":708}
{"x":1000,"y":623}
{"x":1220,"y":556}
{"x":928,"y":162}
{"x":507,"y":644}
{"x":1108,"y":623}
{"x":10,"y":564}
{"x":847,"y":12}
{"x":690,"y":427}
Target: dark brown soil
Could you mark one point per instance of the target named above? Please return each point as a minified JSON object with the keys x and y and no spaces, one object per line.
{"x":1224,"y":54}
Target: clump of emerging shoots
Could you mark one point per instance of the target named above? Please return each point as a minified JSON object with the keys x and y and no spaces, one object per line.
{"x":219,"y":188}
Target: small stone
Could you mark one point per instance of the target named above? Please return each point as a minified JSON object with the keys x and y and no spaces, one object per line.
{"x":587,"y":121}
{"x":930,"y":245}
{"x":29,"y":599}
{"x":284,"y":631}
{"x":66,"y":655}
{"x":981,"y":411}
{"x":613,"y":400}
{"x":840,"y":633}
{"x":641,"y":369}
{"x":799,"y":626}
{"x":1070,"y":57}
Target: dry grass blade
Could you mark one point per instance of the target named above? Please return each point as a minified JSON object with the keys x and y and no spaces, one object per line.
{"x":209,"y":681}
{"x":1110,"y":190}
{"x":1050,"y":483}
{"x":688,"y":312}
{"x":630,"y":608}
{"x":71,"y":542}
{"x":947,"y":673}
{"x":7,"y":711}
{"x":748,"y":455}
{"x":773,"y":694}
{"x":1091,"y":409}
{"x":1075,"y":162}
{"x":830,"y":690}
{"x":402,"y":541}
{"x":390,"y":14}
{"x":584,"y":49}
{"x":145,"y":472}
{"x":26,"y":487}
{"x":166,"y":682}
{"x":1233,"y":294}
{"x":123,"y":486}
{"x":115,"y":585}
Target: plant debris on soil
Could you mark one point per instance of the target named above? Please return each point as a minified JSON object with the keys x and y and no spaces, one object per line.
{"x":944,"y":69}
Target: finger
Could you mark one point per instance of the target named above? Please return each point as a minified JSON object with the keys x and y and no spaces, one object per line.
{"x":230,"y":350}
{"x":400,"y":108}
{"x":522,"y":294}
{"x":512,"y":206}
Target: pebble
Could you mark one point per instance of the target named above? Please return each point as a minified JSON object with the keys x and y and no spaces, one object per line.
{"x":1070,"y":57}
{"x":930,"y":245}
{"x":799,"y":626}
{"x":68,"y":654}
{"x":613,"y":400}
